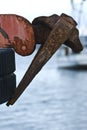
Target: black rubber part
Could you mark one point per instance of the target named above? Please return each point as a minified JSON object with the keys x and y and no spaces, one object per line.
{"x":7,"y":87}
{"x":7,"y":61}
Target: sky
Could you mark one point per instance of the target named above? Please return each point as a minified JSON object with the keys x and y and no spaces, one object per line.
{"x":34,"y":8}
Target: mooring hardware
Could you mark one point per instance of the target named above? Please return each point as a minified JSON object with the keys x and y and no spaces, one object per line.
{"x":51,"y":32}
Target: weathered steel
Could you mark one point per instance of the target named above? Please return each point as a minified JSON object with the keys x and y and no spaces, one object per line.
{"x":42,"y":27}
{"x":60,"y":33}
{"x":16,"y":32}
{"x":74,"y":42}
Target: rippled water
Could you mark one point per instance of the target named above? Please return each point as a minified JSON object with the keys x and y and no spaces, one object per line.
{"x":55,"y":100}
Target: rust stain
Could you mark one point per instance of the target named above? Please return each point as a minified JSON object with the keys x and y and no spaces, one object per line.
{"x":20,"y":34}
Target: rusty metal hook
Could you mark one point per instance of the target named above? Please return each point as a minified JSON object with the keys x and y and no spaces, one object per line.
{"x":60,"y":33}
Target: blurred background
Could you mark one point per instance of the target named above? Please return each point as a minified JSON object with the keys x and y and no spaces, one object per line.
{"x":57,"y":97}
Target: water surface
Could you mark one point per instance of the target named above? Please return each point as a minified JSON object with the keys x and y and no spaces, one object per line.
{"x":55,"y":100}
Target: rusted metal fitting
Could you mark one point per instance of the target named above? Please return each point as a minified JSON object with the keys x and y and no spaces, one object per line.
{"x":74,"y":42}
{"x":48,"y":21}
{"x":60,"y":33}
{"x":43,"y":25}
{"x":16,"y":32}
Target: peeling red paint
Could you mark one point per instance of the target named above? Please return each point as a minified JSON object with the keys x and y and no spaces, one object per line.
{"x":19,"y":31}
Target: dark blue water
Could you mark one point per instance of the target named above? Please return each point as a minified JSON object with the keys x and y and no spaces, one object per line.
{"x":55,"y":100}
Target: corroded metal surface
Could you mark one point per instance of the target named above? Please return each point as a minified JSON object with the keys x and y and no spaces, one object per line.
{"x":19,"y":33}
{"x":16,"y":32}
{"x":74,"y":42}
{"x":43,"y":25}
{"x":60,"y":33}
